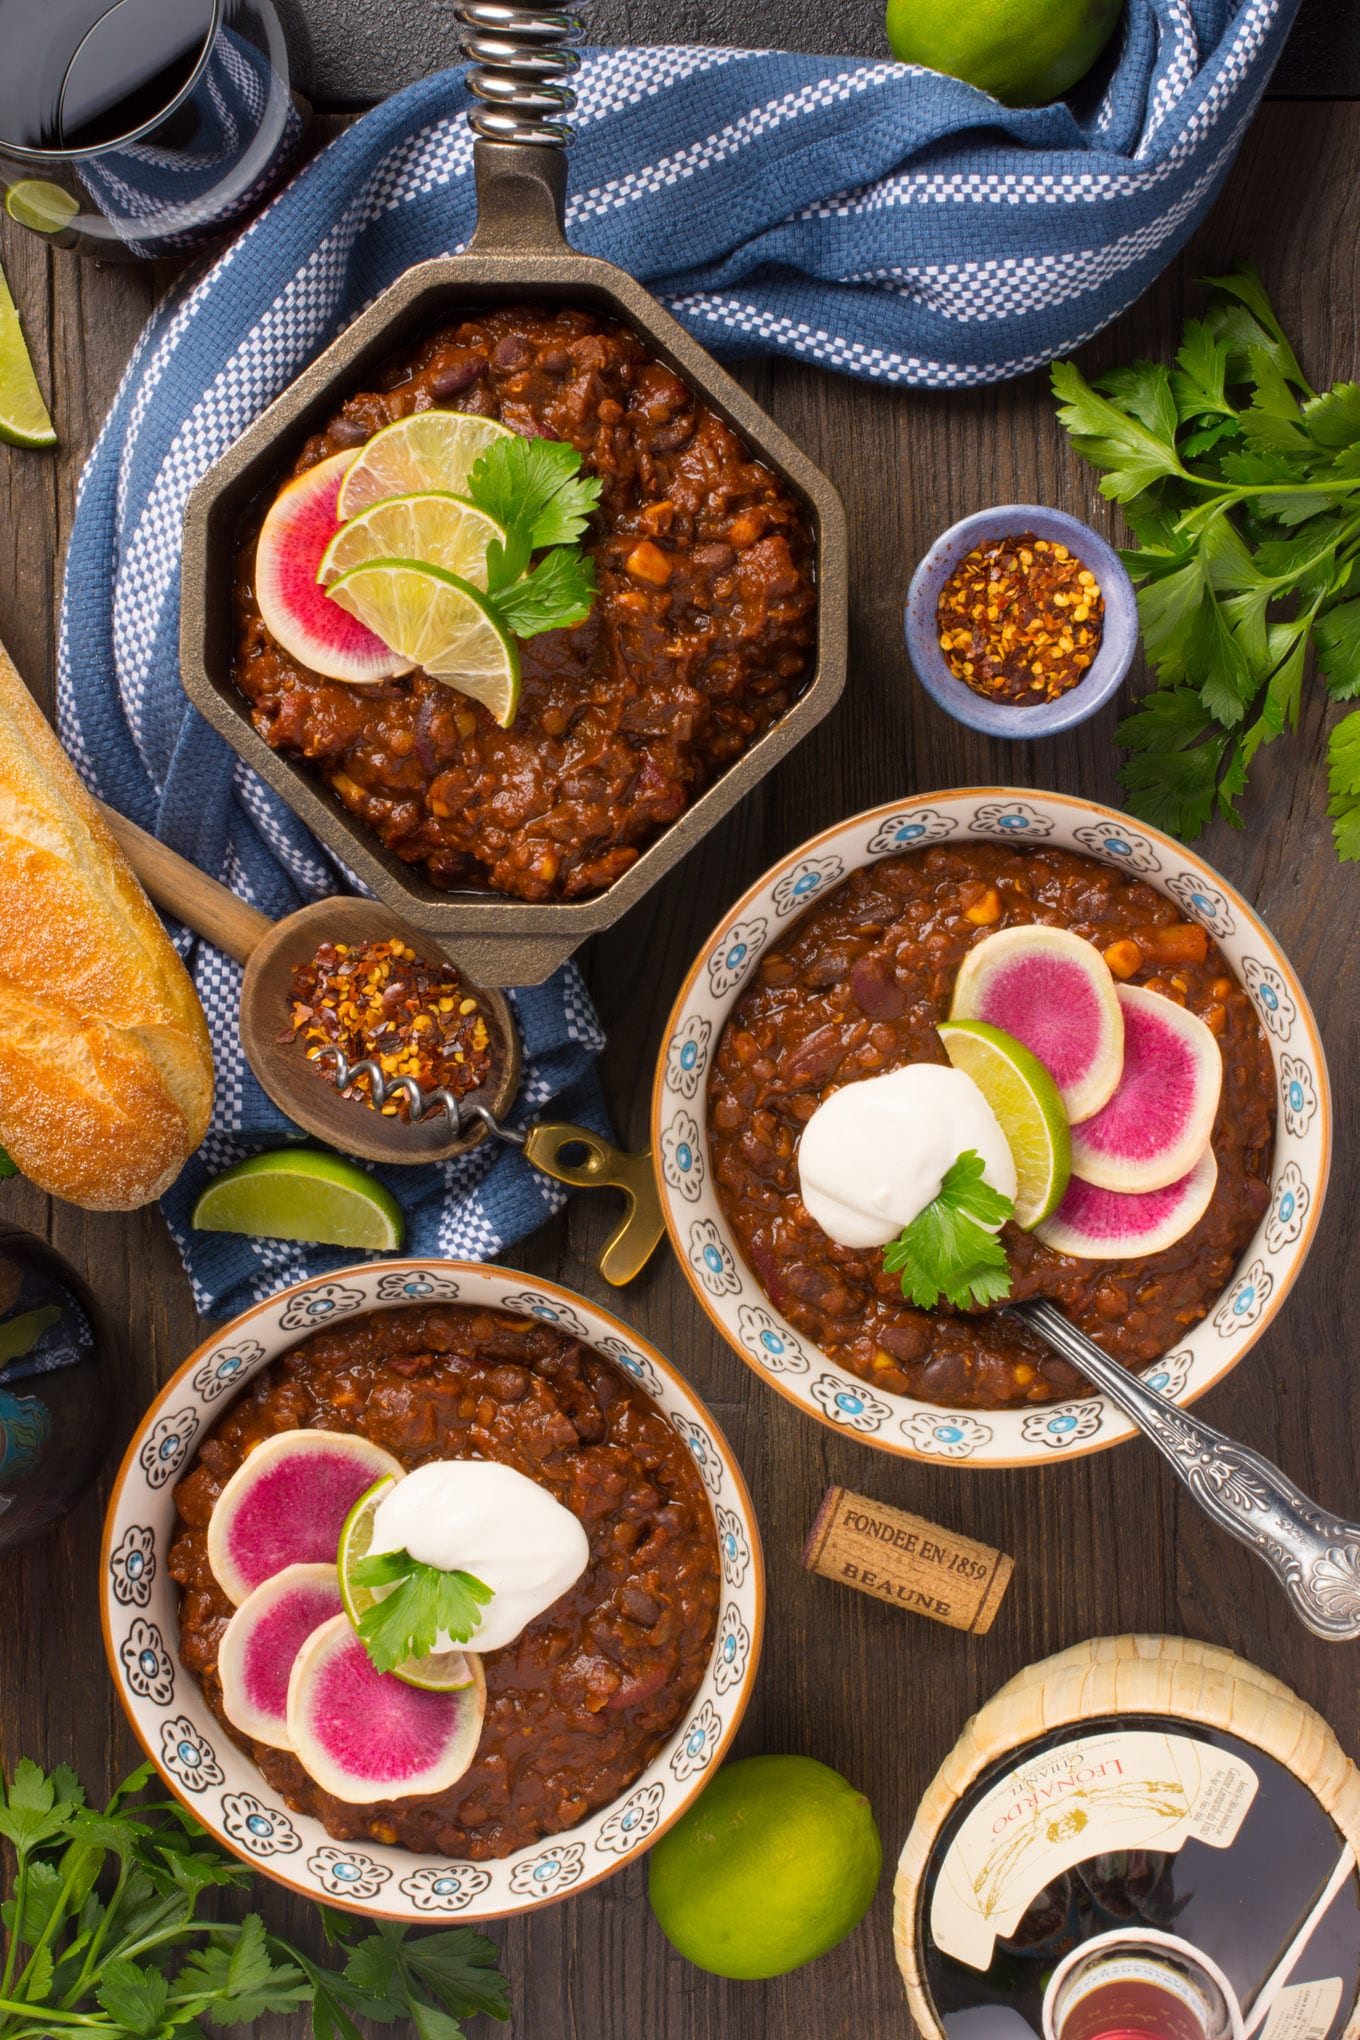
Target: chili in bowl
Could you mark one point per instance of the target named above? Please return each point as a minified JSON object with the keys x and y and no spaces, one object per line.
{"x":838,"y":968}
{"x":597,"y":1712}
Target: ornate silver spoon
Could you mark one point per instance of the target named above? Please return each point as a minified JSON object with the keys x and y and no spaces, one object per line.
{"x":1315,"y":1556}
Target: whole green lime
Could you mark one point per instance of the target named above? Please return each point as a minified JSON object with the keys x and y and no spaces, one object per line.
{"x":1024,"y":52}
{"x":776,"y":1862}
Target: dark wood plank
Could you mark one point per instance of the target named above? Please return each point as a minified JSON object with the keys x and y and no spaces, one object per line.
{"x":1103,"y":1544}
{"x":350,"y":53}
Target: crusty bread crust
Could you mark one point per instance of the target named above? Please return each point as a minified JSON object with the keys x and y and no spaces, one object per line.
{"x":106,"y":1076}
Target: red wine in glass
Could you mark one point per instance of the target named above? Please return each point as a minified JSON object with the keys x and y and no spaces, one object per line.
{"x":142,"y":127}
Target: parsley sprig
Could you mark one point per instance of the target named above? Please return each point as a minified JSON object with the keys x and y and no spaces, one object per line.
{"x":424,"y":1600}
{"x":102,"y":1934}
{"x":948,"y":1250}
{"x":1242,"y":486}
{"x":534,"y":488}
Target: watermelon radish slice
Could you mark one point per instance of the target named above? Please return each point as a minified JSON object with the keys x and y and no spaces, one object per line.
{"x":1160,"y":1119}
{"x":366,"y":1735}
{"x":260,"y":1643}
{"x":1112,"y":1225}
{"x":297,"y":611}
{"x":1054,"y":993}
{"x":286,"y":1504}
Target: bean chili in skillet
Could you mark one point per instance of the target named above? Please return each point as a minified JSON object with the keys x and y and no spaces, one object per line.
{"x":699,"y":640}
{"x":856,"y":988}
{"x":581,"y":1702}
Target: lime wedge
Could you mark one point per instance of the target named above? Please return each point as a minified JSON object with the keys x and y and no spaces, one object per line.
{"x":1025,"y":1100}
{"x":439,"y":622}
{"x":428,"y":450}
{"x":44,"y":207}
{"x":447,"y":1671}
{"x":300,"y":1194}
{"x":23,"y":414}
{"x":438,"y":529}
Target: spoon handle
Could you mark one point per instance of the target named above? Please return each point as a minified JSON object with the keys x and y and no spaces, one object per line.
{"x":1314,"y":1555}
{"x":188,"y":893}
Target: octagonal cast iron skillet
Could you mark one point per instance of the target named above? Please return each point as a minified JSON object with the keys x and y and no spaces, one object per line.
{"x":309,"y":1092}
{"x":518,"y":254}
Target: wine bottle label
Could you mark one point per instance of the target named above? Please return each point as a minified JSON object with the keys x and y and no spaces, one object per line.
{"x":1303,"y":2011}
{"x":1125,"y":1789}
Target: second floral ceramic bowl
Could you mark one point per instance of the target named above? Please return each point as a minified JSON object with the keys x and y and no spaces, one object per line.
{"x":709,"y":1253}
{"x":220,"y":1785}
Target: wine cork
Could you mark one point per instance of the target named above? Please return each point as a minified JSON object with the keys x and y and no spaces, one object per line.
{"x":904,"y":1559}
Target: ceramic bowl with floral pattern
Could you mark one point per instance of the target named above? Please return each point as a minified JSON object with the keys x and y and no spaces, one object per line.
{"x":709,"y":1253}
{"x":219,"y":1783}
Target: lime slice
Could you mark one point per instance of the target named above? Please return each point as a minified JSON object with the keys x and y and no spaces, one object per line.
{"x":299,"y":1194}
{"x":44,"y":207}
{"x":1025,"y":1100}
{"x":439,"y":622}
{"x":428,"y":450}
{"x":447,"y":1671}
{"x":23,"y":414}
{"x":438,"y":529}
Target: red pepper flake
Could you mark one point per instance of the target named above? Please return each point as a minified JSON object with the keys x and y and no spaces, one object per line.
{"x":1020,"y":620}
{"x":382,"y":1002}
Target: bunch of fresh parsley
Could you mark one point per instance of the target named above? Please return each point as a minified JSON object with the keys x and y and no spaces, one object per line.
{"x":424,"y":1600}
{"x":534,"y":488}
{"x":1242,"y":486}
{"x":102,"y":1934}
{"x":949,"y":1248}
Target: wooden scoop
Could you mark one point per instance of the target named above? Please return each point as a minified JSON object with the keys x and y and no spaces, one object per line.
{"x":271,"y":950}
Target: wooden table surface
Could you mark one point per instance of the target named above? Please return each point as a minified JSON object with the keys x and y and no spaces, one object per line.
{"x":1101,"y":1545}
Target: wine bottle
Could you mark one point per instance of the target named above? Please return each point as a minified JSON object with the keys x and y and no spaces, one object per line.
{"x":54,"y":1427}
{"x":1139,"y":1877}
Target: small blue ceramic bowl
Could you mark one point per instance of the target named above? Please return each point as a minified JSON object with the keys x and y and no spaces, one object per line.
{"x":1118,"y":643}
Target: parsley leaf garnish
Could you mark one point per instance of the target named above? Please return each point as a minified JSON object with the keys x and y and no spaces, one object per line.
{"x":534,"y":488}
{"x":558,"y":592}
{"x":424,"y":1600}
{"x":948,"y":1249}
{"x":101,"y":1934}
{"x":1242,"y":487}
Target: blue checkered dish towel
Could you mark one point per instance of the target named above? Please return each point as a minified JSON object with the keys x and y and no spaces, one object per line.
{"x":869,"y":216}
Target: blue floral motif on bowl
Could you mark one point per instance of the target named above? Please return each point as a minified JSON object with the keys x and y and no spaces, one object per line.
{"x":632,"y":1822}
{"x":188,"y":1755}
{"x":446,"y":1890}
{"x":770,"y":1342}
{"x":132,"y":1566}
{"x":909,"y":831}
{"x":736,"y":952}
{"x":259,"y":1829}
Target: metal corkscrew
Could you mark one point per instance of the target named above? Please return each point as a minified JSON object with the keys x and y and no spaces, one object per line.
{"x":550,"y":1145}
{"x":1314,"y":1555}
{"x":523,"y":57}
{"x":460,"y":1112}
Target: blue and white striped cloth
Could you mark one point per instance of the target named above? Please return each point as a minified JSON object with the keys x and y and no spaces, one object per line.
{"x":870,"y":217}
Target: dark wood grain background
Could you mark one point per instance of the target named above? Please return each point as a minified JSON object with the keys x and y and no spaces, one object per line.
{"x":350,"y":51}
{"x":1104,"y":1544}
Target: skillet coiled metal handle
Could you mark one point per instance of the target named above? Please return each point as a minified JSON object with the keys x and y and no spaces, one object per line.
{"x":523,"y":58}
{"x":1314,"y":1555}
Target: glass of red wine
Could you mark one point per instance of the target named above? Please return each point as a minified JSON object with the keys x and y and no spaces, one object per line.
{"x":142,"y":127}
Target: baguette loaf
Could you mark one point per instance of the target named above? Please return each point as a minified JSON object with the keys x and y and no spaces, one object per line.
{"x":106,"y":1076}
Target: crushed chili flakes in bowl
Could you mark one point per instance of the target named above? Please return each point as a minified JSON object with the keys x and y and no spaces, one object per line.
{"x":380,"y":1001}
{"x":1020,"y":619}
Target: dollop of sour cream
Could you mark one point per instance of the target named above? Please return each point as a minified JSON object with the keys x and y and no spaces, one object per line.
{"x":874,"y":1154}
{"x":475,"y":1516}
